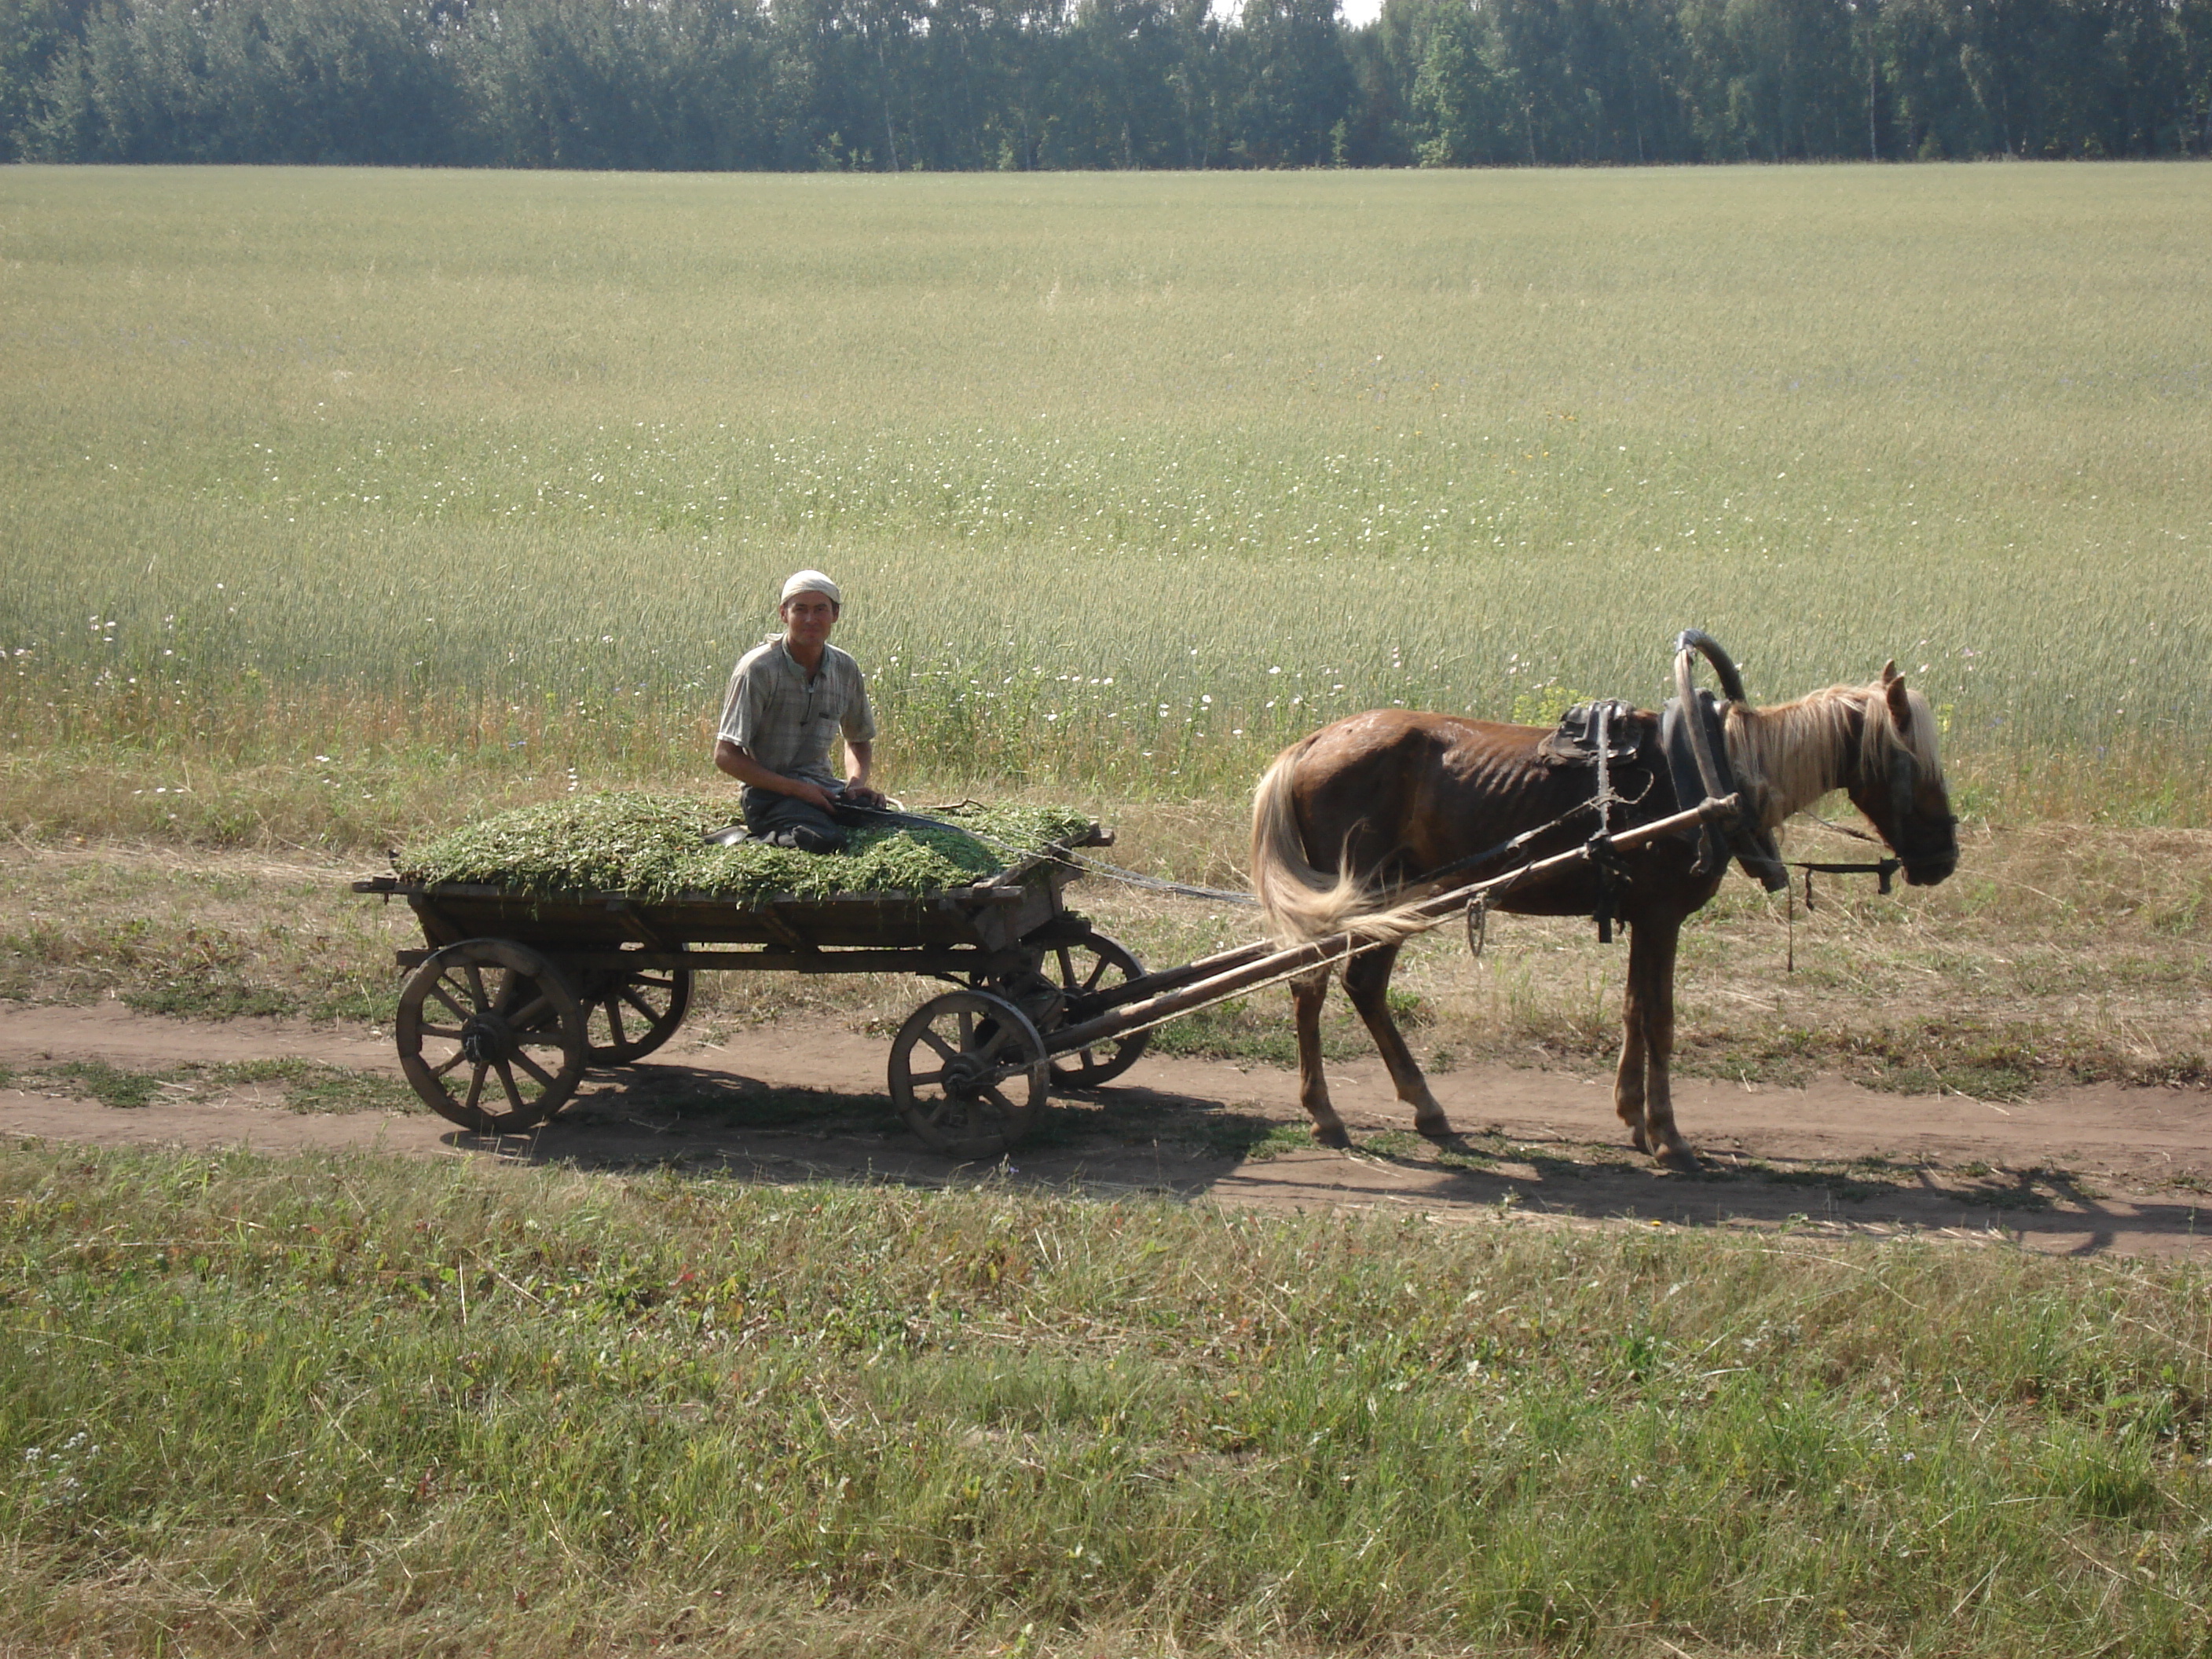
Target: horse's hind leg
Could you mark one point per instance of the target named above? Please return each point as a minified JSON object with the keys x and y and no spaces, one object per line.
{"x":1307,"y":991}
{"x":1367,"y":981}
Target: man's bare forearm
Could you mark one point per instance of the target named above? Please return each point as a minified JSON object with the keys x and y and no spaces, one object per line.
{"x":737,"y":763}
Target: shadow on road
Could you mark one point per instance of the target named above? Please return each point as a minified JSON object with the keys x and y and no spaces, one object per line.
{"x":729,"y":1125}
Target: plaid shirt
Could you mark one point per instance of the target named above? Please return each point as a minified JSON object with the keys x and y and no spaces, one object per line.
{"x":785,"y":720}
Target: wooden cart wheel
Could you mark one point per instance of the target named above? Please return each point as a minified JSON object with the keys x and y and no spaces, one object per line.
{"x":628,"y":1015}
{"x":968,"y":1073}
{"x":490,"y":1036}
{"x":1083,"y":968}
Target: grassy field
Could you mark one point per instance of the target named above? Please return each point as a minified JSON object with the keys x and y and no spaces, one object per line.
{"x":321,"y":484}
{"x":341,"y":506}
{"x":365,"y":1407}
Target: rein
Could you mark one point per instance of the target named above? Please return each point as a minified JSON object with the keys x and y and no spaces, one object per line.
{"x":1883,"y":869}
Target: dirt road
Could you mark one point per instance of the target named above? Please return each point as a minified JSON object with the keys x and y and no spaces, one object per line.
{"x":2081,"y":1171}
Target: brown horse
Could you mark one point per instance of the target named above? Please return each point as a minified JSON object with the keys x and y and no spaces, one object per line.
{"x":1374,"y":804}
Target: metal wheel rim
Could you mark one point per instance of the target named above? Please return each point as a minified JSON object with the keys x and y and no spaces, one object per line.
{"x":954,"y":1034}
{"x":490,"y":1036}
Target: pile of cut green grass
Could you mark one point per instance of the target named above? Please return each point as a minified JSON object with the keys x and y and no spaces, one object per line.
{"x":654,"y":847}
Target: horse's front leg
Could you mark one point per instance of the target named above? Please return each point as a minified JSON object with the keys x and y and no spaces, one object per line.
{"x":1307,"y":991}
{"x":1643,"y":1092}
{"x":1628,"y":1076}
{"x":1367,"y":981}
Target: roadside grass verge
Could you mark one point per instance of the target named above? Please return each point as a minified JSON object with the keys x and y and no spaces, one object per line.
{"x":358,"y":1405}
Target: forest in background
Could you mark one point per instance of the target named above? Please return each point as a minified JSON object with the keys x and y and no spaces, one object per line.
{"x":957,"y":85}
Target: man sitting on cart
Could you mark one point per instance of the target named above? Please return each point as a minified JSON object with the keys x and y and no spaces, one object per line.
{"x":788,"y":697}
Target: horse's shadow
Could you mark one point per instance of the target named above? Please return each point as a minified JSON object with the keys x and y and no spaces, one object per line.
{"x":1593,"y":1181}
{"x":730,"y":1125}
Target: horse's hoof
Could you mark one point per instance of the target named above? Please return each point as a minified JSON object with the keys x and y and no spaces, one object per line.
{"x":1680,"y":1155}
{"x":1438,"y":1129}
{"x":1336,"y":1137}
{"x":1638,"y":1140}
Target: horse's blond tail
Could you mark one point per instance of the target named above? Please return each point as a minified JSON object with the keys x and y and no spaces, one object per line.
{"x":1302,"y":902}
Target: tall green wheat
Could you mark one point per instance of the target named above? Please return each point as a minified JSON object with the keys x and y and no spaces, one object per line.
{"x":1129,"y":479}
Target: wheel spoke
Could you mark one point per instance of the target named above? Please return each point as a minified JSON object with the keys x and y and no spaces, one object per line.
{"x":529,"y":1015}
{"x":476,"y":1087}
{"x":939,"y":1107}
{"x":916,"y":1080}
{"x":507,"y":1081}
{"x":992,"y":1094}
{"x":535,"y":1070}
{"x":438,"y":990}
{"x":629,"y":995}
{"x":938,"y":1043}
{"x":477,"y":986}
{"x":614,"y":1022}
{"x":458,"y":1056}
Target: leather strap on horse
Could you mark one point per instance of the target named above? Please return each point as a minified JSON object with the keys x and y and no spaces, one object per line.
{"x":1882,"y":869}
{"x":1700,"y":721}
{"x":1600,"y":844}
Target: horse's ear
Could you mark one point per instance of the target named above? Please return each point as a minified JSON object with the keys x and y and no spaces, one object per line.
{"x":1888,"y":673}
{"x":1901,"y":707}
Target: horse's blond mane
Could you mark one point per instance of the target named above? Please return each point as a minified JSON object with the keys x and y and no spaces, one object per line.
{"x":1790,"y":755}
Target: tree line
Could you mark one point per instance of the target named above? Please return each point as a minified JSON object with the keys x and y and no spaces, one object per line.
{"x":890,"y":85}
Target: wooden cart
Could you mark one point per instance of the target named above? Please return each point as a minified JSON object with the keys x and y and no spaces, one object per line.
{"x":516,"y":997}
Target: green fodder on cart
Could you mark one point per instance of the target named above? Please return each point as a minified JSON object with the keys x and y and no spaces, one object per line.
{"x":654,"y":847}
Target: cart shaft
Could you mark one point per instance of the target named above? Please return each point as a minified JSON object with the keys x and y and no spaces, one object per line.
{"x":1322,"y":952}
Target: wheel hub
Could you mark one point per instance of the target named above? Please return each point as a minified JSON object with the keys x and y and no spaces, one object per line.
{"x":965,"y":1077}
{"x":486,"y":1040}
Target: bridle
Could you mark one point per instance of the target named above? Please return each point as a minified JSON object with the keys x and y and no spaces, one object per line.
{"x":1903,"y":780}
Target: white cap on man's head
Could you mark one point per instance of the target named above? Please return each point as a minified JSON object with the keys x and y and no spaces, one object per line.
{"x":811,"y":581}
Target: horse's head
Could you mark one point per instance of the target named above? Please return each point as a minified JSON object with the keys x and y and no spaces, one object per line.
{"x":1898,"y":783}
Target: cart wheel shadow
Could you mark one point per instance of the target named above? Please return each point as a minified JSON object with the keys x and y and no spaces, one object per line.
{"x":682,"y":1115}
{"x":691,"y":1102}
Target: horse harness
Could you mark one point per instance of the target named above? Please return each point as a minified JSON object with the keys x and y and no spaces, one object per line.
{"x":1751,"y":847}
{"x":1604,"y":734}
{"x":1589,"y":734}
